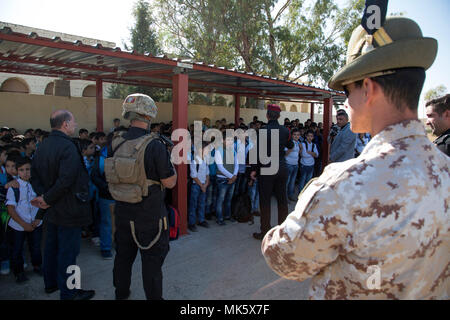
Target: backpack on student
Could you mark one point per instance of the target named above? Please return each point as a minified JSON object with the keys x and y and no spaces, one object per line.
{"x":174,"y":223}
{"x":312,"y":148}
{"x":4,"y":216}
{"x":241,"y":208}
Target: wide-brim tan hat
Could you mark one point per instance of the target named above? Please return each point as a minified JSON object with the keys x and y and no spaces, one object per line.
{"x":398,"y":44}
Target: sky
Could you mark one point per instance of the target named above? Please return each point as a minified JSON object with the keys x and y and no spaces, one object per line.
{"x":111,"y":20}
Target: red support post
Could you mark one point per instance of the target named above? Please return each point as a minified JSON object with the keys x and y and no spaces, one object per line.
{"x":180,"y":120}
{"x":237,"y":110}
{"x":327,"y":112}
{"x":99,"y":103}
{"x":312,"y":112}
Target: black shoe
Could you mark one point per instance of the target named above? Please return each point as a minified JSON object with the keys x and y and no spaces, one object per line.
{"x":84,"y":295}
{"x":21,"y":277}
{"x":123,"y":297}
{"x":293,"y":199}
{"x":38,"y":271}
{"x":51,"y":290}
{"x":258,"y":235}
{"x":193,"y":228}
{"x":204,"y":224}
{"x":221,"y":223}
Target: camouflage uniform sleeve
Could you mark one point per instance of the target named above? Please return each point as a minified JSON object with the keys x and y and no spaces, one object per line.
{"x":312,"y":237}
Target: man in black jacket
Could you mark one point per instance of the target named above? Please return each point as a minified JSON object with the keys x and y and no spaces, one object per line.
{"x":272,"y":183}
{"x":438,"y":114}
{"x":60,"y":177}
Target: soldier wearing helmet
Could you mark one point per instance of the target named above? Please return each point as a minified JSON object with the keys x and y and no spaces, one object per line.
{"x":137,"y":170}
{"x":375,"y":227}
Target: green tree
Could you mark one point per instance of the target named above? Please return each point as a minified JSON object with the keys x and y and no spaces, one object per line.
{"x":143,"y":40}
{"x":118,"y":91}
{"x":435,"y":93}
{"x":194,"y":29}
{"x":289,"y":39}
{"x":199,"y":98}
{"x":143,"y":35}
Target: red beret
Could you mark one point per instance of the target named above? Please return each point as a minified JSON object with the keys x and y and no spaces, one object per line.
{"x":273,"y":107}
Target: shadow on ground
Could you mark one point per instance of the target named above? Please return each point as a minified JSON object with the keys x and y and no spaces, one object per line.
{"x":222,"y":262}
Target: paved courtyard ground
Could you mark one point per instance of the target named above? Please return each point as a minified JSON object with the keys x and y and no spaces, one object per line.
{"x":212,"y":264}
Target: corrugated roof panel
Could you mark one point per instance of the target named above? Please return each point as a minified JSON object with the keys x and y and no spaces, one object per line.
{"x":220,"y":78}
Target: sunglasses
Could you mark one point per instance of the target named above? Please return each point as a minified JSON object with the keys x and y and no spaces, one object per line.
{"x":347,"y":93}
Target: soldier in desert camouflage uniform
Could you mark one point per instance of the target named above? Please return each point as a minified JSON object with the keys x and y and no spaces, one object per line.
{"x":387,"y":208}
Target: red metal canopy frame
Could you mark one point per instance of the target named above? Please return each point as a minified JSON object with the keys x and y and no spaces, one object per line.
{"x":35,"y":55}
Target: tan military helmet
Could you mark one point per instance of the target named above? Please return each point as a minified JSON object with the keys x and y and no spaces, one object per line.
{"x":139,"y":106}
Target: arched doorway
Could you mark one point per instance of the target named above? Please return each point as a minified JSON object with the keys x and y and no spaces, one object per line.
{"x":49,"y":89}
{"x":89,"y":91}
{"x":15,"y":85}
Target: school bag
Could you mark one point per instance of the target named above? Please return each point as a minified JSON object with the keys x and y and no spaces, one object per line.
{"x":174,"y":222}
{"x":4,"y":216}
{"x":312,"y":149}
{"x":241,"y":208}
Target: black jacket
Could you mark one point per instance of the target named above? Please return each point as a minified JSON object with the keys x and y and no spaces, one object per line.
{"x":443,"y":142}
{"x":284,"y":142}
{"x":59,"y":174}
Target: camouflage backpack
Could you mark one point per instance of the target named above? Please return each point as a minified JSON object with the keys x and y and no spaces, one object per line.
{"x":125,"y":170}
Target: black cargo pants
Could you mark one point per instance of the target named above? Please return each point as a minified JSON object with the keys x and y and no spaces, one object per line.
{"x":152,"y":259}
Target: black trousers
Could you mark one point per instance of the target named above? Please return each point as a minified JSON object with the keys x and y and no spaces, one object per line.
{"x":17,"y":241}
{"x":273,"y":185}
{"x":152,"y":259}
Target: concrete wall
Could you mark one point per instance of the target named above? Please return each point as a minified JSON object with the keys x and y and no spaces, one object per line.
{"x":23,"y":111}
{"x":37,"y":84}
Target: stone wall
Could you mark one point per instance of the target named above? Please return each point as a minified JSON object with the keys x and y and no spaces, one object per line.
{"x":23,"y":111}
{"x":37,"y":84}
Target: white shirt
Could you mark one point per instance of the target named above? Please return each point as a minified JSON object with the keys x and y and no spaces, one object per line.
{"x":222,"y":172}
{"x":307,"y":159}
{"x":24,"y":209}
{"x":242,"y":152}
{"x":292,"y":157}
{"x":203,"y":169}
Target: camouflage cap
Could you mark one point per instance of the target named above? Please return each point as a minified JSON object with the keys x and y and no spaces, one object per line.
{"x":141,"y":104}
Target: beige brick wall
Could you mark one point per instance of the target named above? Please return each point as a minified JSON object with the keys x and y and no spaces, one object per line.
{"x":23,"y":111}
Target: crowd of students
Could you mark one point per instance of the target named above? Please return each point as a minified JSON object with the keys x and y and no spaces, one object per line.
{"x":21,"y":220}
{"x":213,"y":183}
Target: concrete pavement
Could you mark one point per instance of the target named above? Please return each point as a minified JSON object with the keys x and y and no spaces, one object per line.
{"x":222,"y":262}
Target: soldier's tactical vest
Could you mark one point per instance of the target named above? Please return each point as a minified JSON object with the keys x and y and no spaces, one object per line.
{"x":125,"y":170}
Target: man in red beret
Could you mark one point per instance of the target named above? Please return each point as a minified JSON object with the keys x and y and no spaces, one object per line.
{"x":272,"y":184}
